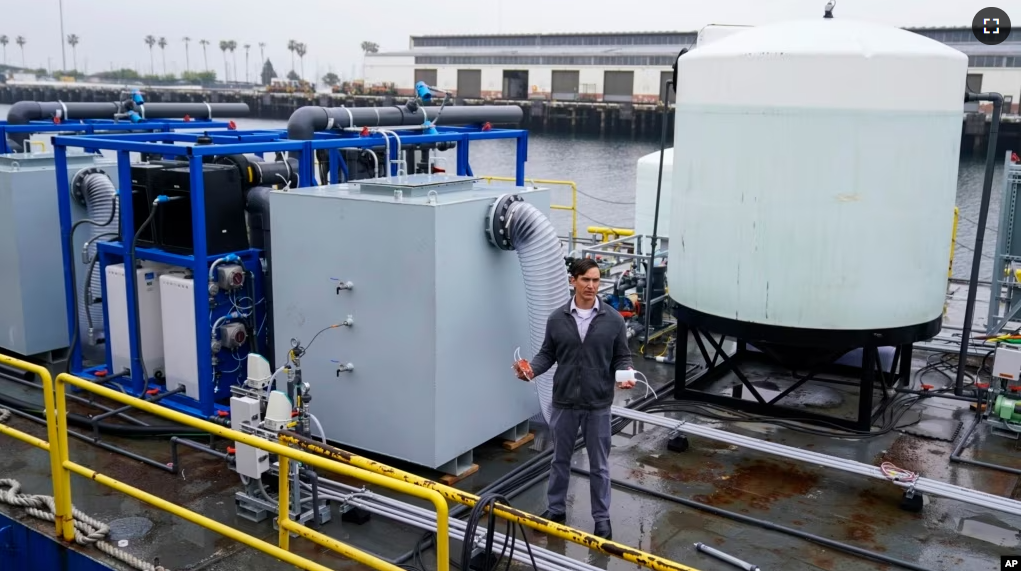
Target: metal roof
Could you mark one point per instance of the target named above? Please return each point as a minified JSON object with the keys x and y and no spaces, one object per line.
{"x":668,"y":50}
{"x":634,"y":34}
{"x":555,"y":34}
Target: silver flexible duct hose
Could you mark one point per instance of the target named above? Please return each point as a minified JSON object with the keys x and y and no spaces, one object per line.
{"x":547,"y":286}
{"x":101,"y":203}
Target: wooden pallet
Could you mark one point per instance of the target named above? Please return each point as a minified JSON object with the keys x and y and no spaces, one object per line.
{"x":515,"y":444}
{"x":451,"y":480}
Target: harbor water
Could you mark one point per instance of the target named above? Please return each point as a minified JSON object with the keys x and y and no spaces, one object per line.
{"x":604,"y":170}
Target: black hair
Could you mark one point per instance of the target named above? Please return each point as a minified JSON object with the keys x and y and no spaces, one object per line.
{"x":582,"y":265}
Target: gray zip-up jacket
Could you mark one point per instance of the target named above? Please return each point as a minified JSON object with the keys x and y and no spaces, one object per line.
{"x":585,"y":373}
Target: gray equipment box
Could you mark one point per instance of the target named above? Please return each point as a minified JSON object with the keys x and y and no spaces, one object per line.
{"x":437,"y":311}
{"x":33,"y":310}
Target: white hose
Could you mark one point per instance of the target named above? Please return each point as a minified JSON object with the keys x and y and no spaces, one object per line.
{"x":546,"y":283}
{"x":100,"y":198}
{"x":322,"y":433}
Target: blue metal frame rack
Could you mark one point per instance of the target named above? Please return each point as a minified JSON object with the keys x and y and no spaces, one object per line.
{"x":221,"y":143}
{"x":94,"y":126}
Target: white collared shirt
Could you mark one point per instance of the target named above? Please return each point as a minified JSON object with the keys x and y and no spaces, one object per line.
{"x":583,"y":317}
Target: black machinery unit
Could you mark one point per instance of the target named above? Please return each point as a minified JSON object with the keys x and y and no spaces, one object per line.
{"x":224,"y":207}
{"x":146,"y":185}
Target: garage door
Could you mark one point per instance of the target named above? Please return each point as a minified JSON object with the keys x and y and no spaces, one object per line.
{"x":565,"y":85}
{"x":618,"y":86}
{"x":426,"y":75}
{"x":469,"y":83}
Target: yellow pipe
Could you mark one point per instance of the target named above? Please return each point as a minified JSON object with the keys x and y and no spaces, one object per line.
{"x":198,"y":519}
{"x":453,"y":494}
{"x":24,"y":437}
{"x":442,"y":510}
{"x":63,"y":519}
{"x":605,"y":230}
{"x":284,"y":501}
{"x":341,"y":548}
{"x":574,"y":196}
{"x":953,"y":241}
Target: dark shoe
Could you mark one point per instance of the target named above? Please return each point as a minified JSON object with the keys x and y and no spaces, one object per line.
{"x":603,"y":530}
{"x":554,"y":517}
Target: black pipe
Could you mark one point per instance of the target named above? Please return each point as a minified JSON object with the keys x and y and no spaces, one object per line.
{"x":933,"y":395}
{"x":655,"y":220}
{"x":983,"y":214}
{"x":305,"y":121}
{"x":125,"y":408}
{"x":75,"y":398}
{"x":257,"y":207}
{"x":86,"y":422}
{"x":97,"y":442}
{"x":175,"y":441}
{"x":22,"y":112}
{"x":762,"y":523}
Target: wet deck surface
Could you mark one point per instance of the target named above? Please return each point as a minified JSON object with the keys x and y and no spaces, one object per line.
{"x":947,"y":535}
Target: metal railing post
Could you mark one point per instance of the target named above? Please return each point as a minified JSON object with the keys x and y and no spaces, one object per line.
{"x":56,"y":427}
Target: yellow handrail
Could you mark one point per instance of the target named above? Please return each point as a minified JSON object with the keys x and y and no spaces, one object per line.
{"x":62,"y":467}
{"x":537,"y":523}
{"x":574,"y":196}
{"x":284,"y":452}
{"x":61,"y":479}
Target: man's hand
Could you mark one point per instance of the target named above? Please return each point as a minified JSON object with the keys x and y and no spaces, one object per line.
{"x":630,"y":383}
{"x":523,"y":370}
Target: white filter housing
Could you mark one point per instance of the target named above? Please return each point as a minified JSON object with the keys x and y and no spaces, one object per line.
{"x":815,"y":176}
{"x":645,"y":194}
{"x":149,"y":316}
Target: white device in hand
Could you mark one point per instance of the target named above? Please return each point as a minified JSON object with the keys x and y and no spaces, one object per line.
{"x":631,"y":375}
{"x":625,"y":375}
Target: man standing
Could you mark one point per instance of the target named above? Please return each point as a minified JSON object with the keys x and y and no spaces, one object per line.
{"x":588,"y":342}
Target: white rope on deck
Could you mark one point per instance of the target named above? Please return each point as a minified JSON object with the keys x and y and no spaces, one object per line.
{"x":87,"y":530}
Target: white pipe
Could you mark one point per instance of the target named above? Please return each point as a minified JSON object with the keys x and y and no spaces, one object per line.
{"x":322,"y":433}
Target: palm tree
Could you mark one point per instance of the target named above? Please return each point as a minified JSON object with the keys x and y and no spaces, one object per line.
{"x":247,"y":47}
{"x":163,"y":50}
{"x":301,"y":50}
{"x":4,"y":40}
{"x":291,"y":46}
{"x":224,"y":44}
{"x":21,"y":41}
{"x":368,"y":48}
{"x":187,"y":56}
{"x":72,"y":40}
{"x":232,"y":45}
{"x":151,"y":41}
{"x":205,"y":60}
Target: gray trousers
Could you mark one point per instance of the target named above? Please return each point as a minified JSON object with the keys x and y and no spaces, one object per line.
{"x":595,"y":429}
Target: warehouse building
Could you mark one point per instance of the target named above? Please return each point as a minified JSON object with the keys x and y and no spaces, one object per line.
{"x":608,"y":67}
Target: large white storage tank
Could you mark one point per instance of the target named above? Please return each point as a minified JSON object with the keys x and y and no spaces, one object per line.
{"x":645,"y":194}
{"x":814,"y":180}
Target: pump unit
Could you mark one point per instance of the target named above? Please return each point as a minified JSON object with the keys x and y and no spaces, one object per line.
{"x":408,"y":261}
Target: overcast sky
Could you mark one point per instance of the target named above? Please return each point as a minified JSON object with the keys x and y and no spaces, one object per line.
{"x":112,"y":31}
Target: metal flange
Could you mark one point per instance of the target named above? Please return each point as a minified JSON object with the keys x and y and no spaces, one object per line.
{"x":78,"y":182}
{"x":498,"y":221}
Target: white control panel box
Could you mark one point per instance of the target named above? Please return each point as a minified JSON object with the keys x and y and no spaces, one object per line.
{"x":1007,"y":363}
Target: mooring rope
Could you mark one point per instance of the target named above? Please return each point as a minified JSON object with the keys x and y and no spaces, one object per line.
{"x":88,"y":530}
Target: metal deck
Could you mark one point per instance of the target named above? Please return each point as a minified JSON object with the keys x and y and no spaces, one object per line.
{"x":845,"y":507}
